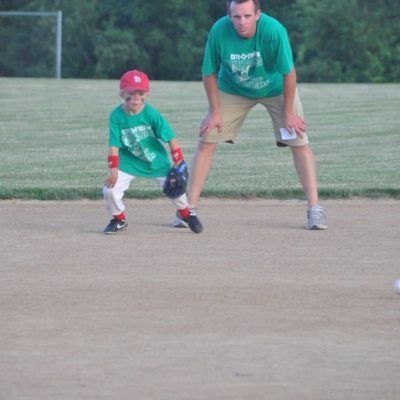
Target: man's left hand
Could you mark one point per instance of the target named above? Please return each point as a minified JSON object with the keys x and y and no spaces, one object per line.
{"x":293,"y":121}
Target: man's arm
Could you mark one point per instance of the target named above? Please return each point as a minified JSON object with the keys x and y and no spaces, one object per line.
{"x":290,"y":119}
{"x":213,"y":118}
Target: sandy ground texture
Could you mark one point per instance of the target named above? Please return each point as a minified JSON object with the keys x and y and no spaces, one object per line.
{"x":255,"y":307}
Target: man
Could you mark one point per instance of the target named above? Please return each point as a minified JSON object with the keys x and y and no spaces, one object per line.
{"x":248,"y":61}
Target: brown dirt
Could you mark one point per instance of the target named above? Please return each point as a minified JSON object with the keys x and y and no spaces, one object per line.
{"x":255,"y":307}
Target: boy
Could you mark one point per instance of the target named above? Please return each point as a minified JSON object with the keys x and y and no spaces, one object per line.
{"x":137,"y":132}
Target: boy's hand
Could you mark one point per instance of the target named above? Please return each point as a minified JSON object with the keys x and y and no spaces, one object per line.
{"x":176,"y":164}
{"x":112,"y":179}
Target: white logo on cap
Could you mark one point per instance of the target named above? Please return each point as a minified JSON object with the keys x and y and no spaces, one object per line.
{"x":137,"y":79}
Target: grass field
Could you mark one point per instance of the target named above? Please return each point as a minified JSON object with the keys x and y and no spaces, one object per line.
{"x":54,"y":139}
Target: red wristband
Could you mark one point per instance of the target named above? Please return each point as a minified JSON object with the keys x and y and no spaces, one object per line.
{"x":177,"y":155}
{"x":113,"y":161}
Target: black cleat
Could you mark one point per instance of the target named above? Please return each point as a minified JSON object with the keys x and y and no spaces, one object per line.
{"x":192,"y":222}
{"x":115,"y":226}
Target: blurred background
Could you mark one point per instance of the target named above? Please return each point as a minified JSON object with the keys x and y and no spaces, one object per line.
{"x":332,"y":40}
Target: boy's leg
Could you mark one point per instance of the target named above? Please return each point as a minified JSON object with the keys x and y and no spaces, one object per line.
{"x":113,"y":196}
{"x":185,"y":216}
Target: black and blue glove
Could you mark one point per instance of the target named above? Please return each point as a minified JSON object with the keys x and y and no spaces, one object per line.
{"x":176,"y":181}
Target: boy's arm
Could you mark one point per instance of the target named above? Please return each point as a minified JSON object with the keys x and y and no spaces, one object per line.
{"x":113,"y":160}
{"x":176,"y":152}
{"x":176,"y":181}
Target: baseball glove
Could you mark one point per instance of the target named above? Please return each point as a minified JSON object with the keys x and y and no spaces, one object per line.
{"x":176,"y":181}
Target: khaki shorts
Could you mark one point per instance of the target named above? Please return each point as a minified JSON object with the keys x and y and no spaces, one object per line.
{"x":234,"y":110}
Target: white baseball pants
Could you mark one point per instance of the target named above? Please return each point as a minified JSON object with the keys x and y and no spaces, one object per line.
{"x":113,"y":196}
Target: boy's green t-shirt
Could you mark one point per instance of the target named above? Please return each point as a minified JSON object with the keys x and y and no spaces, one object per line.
{"x":139,"y":138}
{"x":251,"y":67}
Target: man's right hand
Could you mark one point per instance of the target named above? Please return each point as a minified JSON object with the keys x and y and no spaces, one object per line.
{"x":211,"y":121}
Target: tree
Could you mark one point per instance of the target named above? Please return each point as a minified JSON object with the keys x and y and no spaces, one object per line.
{"x":332,"y":40}
{"x":345,"y":41}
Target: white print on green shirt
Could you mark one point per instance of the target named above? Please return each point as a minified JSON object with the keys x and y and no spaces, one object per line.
{"x":132,"y":137}
{"x":243,"y":66}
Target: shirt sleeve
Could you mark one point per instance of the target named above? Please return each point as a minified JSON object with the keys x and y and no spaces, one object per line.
{"x":211,"y":59}
{"x":283,"y":53}
{"x":161,"y":128}
{"x":114,"y":132}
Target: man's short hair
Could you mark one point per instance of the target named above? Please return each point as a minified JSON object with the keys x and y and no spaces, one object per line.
{"x":255,"y":2}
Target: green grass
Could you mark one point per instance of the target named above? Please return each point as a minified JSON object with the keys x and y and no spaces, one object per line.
{"x":54,"y":136}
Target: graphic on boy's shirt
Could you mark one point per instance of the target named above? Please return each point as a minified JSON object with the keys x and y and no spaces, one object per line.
{"x":132,"y":137}
{"x":243,"y":67}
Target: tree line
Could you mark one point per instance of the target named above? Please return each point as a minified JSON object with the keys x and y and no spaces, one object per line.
{"x":332,"y":40}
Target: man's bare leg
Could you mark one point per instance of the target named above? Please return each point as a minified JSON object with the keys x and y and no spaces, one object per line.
{"x":200,"y":168}
{"x":304,"y":162}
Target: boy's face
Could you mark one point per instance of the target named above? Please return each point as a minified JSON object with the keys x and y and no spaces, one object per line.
{"x":244,"y":18}
{"x":134,"y":100}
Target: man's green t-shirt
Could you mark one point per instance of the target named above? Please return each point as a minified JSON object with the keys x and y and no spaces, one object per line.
{"x":139,"y":138}
{"x":251,"y":67}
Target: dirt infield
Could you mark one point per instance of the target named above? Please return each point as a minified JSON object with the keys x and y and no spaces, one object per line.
{"x":255,"y":307}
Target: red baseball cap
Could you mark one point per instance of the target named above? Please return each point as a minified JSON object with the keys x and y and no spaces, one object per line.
{"x":134,"y":80}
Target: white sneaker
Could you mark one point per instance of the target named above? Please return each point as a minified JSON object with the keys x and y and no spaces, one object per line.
{"x":317,"y":219}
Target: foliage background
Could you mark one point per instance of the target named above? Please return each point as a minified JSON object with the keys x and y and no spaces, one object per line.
{"x":332,"y":40}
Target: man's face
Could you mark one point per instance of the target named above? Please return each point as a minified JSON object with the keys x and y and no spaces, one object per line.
{"x":244,"y":18}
